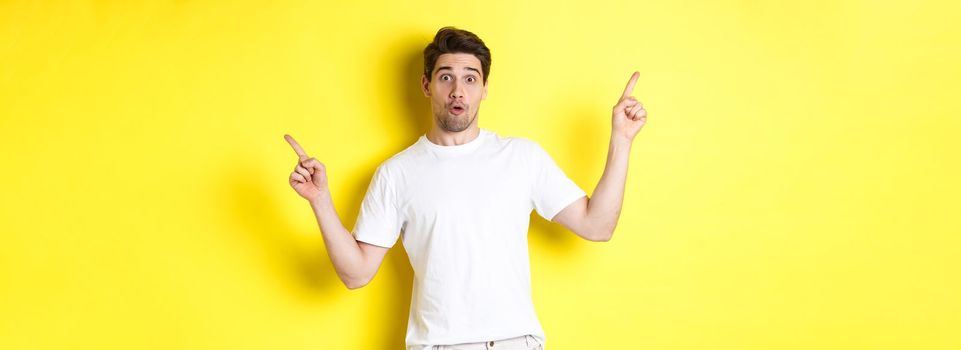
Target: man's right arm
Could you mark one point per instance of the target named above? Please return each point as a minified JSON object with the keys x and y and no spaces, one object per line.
{"x":356,"y":262}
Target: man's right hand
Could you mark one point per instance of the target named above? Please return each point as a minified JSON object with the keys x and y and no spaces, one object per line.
{"x":309,"y":177}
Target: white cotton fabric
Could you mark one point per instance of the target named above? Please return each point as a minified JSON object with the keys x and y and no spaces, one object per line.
{"x":463,"y":214}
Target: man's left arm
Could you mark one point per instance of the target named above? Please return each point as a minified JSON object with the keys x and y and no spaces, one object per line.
{"x":595,"y":218}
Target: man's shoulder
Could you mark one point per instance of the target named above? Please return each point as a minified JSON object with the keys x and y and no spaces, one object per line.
{"x":518,"y":143}
{"x":401,"y":159}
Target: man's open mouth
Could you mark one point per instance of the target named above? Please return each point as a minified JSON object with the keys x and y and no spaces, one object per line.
{"x":456,"y":110}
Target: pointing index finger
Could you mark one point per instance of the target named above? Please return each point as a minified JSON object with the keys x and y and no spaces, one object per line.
{"x":630,"y":85}
{"x":293,"y":143}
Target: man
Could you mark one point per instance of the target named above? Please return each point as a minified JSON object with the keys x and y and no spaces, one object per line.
{"x":462,"y":196}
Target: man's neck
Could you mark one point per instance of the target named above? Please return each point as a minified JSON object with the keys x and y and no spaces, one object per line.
{"x":446,"y":138}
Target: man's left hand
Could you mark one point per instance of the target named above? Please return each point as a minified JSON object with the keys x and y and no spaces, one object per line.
{"x":629,"y":114}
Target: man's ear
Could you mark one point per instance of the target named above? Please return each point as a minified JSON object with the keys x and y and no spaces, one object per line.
{"x":425,"y":85}
{"x":484,"y":96}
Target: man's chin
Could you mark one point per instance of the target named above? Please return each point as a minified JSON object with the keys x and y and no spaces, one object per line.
{"x":455,"y":123}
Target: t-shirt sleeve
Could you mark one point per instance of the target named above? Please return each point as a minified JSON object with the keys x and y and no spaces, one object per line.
{"x":552,"y":190}
{"x":379,"y":221}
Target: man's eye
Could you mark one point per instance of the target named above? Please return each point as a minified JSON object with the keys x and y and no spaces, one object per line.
{"x":444,"y":77}
{"x":470,"y":79}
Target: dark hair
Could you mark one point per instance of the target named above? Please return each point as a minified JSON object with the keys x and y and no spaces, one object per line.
{"x":453,"y":40}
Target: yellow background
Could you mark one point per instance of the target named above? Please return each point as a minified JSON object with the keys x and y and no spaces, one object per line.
{"x":796,"y":186}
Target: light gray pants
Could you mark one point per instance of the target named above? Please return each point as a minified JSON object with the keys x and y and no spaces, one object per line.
{"x":524,"y":342}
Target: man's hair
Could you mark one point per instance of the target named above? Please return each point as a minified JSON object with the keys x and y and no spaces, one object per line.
{"x":453,"y":40}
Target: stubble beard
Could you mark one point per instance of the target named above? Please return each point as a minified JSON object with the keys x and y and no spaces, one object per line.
{"x":455,"y":123}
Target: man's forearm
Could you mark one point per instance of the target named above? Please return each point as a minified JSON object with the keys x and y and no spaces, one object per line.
{"x":342,"y":248}
{"x":604,"y":207}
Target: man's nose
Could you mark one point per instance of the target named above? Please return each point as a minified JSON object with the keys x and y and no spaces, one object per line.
{"x":456,"y":91}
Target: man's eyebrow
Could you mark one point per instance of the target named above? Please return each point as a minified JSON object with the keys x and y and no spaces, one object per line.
{"x":449,"y":68}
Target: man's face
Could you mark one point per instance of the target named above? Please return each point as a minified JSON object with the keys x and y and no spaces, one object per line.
{"x":455,"y":90}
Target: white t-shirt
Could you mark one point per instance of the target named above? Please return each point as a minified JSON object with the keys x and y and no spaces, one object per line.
{"x":464,"y":211}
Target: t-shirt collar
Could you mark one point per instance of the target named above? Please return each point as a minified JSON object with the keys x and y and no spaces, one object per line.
{"x":455,"y":149}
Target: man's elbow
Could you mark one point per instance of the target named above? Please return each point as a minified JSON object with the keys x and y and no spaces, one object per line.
{"x":603,"y":236}
{"x":605,"y":233}
{"x":600,"y":235}
{"x":355,"y":282}
{"x":596,"y":231}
